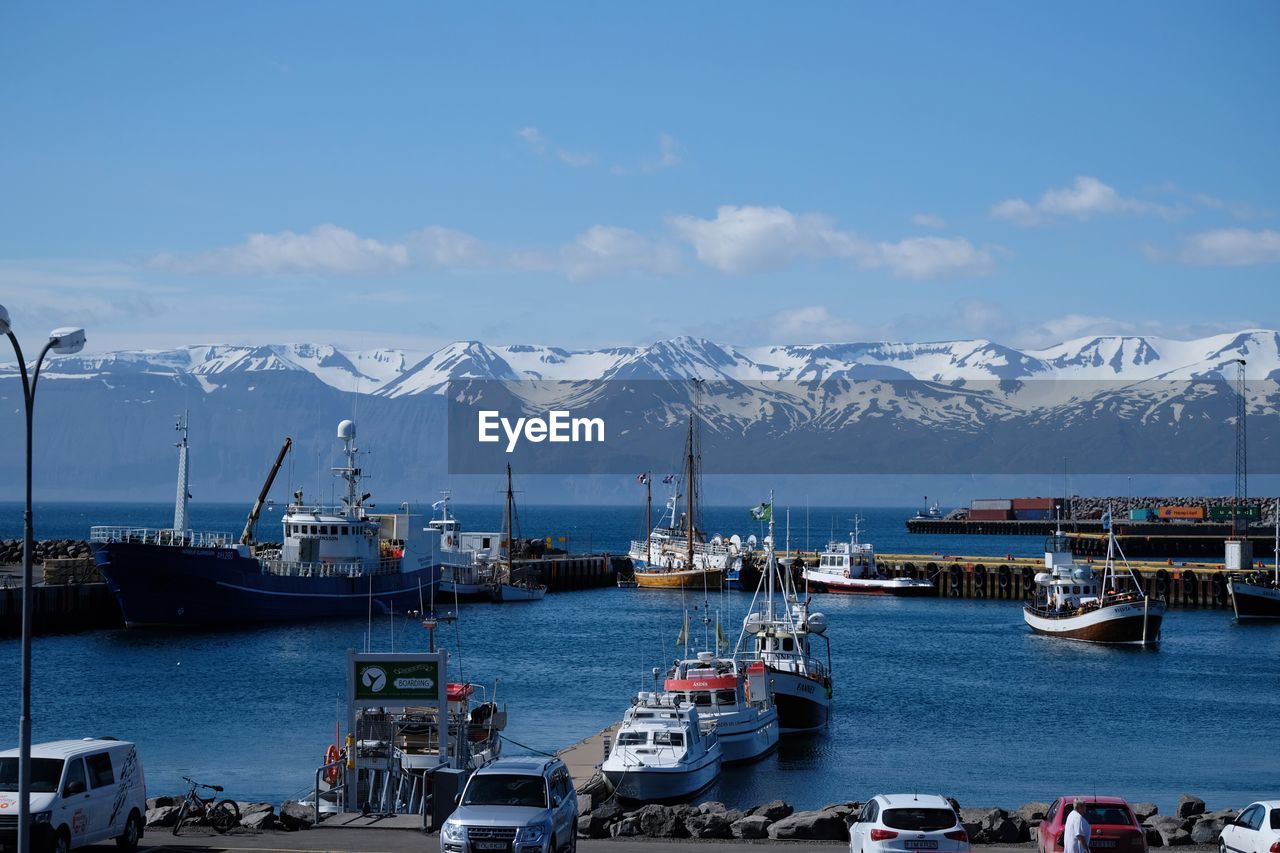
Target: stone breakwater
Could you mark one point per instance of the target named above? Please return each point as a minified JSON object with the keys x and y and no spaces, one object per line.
{"x":162,"y":813}
{"x":46,"y":549}
{"x":779,"y":821}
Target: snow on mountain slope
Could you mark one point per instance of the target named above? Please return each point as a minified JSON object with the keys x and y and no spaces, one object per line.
{"x":396,"y":373}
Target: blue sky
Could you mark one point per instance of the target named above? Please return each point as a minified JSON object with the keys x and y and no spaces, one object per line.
{"x":587,"y":174}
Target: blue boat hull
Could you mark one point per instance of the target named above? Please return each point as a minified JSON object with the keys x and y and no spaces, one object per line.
{"x":165,"y":586}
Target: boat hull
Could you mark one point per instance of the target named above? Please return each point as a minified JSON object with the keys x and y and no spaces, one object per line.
{"x":902,"y":587}
{"x":167,"y":586}
{"x":507,"y":593}
{"x":449,"y":590}
{"x":803,"y":703}
{"x":678,"y":578}
{"x":749,"y":740}
{"x":1122,"y":624}
{"x":660,"y":784}
{"x":1252,"y":601}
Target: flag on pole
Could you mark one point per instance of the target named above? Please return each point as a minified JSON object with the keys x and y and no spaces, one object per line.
{"x":1106,"y":520}
{"x":642,"y":479}
{"x":683,"y":637}
{"x":669,"y":478}
{"x":763,"y":512}
{"x":722,"y":642}
{"x":438,"y":505}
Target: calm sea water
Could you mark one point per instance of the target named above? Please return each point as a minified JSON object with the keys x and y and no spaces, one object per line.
{"x":947,"y":696}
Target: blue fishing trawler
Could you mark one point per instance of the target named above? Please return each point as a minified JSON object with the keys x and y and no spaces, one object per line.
{"x":334,"y":561}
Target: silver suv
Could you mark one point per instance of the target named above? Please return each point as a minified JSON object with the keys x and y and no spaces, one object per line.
{"x":515,"y":805}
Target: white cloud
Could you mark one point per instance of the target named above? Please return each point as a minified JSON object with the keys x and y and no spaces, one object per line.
{"x":930,"y":257}
{"x":928,"y":220}
{"x":448,"y":248}
{"x":1086,"y":198}
{"x":575,"y":159}
{"x":325,"y":249}
{"x":533,"y":138}
{"x":813,"y":322}
{"x":604,"y":250}
{"x":753,"y":239}
{"x":668,"y":155}
{"x":1226,"y":247}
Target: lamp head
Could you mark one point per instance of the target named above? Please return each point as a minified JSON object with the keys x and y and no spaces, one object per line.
{"x":67,"y":340}
{"x":4,"y":320}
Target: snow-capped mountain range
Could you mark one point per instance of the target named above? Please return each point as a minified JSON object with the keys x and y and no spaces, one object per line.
{"x":967,"y":408}
{"x":398,"y":373}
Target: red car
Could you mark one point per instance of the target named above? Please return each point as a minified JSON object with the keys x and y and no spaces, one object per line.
{"x":1113,"y":826}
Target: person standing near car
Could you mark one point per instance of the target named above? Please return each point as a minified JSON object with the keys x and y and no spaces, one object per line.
{"x":1075,"y":833}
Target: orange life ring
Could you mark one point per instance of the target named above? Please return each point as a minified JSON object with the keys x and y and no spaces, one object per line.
{"x":332,"y":756}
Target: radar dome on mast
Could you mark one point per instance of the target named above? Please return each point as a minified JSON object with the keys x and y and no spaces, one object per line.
{"x":347,"y":430}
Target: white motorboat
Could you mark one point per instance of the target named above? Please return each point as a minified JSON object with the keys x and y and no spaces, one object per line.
{"x":1074,"y":602}
{"x":736,"y":703}
{"x":660,"y":752}
{"x":466,"y":557}
{"x":850,"y":567}
{"x":1254,"y":595}
{"x":778,"y":636}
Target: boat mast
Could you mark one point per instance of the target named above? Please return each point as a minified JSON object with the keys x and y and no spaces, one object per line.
{"x":688,"y":488}
{"x":180,"y":503}
{"x":1277,"y":546}
{"x":648,"y":516}
{"x":510,"y":530}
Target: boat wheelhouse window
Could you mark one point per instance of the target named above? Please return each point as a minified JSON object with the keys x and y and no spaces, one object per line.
{"x":668,"y":739}
{"x":632,"y":738}
{"x":346,"y":530}
{"x":700,"y":697}
{"x":726,"y":697}
{"x":486,"y":541}
{"x":788,"y":644}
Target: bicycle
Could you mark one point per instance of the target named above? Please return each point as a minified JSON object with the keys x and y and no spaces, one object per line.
{"x":222,"y":816}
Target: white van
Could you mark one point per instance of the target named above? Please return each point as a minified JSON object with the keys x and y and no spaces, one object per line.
{"x":82,"y":792}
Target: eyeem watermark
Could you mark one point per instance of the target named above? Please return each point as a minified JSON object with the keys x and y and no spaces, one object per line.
{"x":557,"y":427}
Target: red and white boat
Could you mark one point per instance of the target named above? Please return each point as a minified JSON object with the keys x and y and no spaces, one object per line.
{"x":850,"y":568}
{"x":736,"y":703}
{"x":1075,"y":602}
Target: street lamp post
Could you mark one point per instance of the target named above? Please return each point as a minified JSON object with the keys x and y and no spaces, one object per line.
{"x":63,"y":341}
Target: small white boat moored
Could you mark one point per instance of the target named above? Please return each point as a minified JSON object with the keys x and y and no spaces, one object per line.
{"x":660,"y":752}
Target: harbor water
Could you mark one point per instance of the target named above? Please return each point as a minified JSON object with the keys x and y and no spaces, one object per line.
{"x":951,"y":696}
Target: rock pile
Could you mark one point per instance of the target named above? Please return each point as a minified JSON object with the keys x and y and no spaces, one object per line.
{"x":46,"y":549}
{"x":779,"y":821}
{"x":162,"y":812}
{"x":713,"y":820}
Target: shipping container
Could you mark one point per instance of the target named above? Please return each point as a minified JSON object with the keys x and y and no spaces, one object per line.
{"x":1033,"y":514}
{"x":1243,"y":513}
{"x":992,"y":503}
{"x":988,"y":515}
{"x":1141,"y":514}
{"x":1035,"y":503}
{"x":1182,"y":513}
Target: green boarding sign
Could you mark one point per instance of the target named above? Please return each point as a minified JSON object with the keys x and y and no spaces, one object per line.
{"x":394,"y":678}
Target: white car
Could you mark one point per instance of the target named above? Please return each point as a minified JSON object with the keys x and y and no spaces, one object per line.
{"x":1255,"y":830}
{"x":906,"y":823}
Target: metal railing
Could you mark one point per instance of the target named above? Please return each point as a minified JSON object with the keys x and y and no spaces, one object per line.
{"x":152,"y":536}
{"x":357,"y":569}
{"x":338,"y":790}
